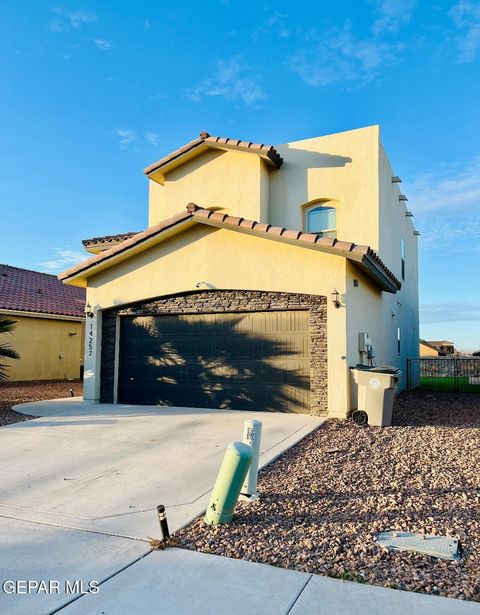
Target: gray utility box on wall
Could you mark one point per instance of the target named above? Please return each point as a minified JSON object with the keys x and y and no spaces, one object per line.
{"x":377,"y":387}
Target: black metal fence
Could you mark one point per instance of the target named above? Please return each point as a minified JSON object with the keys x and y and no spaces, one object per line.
{"x":444,"y":374}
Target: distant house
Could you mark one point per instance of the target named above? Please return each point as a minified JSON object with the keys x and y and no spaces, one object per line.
{"x":49,"y":335}
{"x":443,"y":347}
{"x":427,"y":350}
{"x":265,"y":273}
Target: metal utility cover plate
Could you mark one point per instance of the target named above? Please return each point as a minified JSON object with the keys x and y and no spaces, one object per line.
{"x":437,"y":546}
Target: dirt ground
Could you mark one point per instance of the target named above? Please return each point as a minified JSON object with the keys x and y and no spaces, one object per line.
{"x":12,"y":393}
{"x":323,"y":501}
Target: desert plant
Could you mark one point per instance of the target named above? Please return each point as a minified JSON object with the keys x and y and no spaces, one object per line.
{"x":7,"y":325}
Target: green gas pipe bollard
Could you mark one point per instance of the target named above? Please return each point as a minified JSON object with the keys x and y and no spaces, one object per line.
{"x":228,"y":485}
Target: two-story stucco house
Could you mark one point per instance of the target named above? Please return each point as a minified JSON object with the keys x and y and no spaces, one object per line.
{"x":265,"y":273}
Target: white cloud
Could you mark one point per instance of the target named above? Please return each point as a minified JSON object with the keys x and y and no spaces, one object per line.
{"x":452,"y":189}
{"x":278,"y":22}
{"x":466,"y":16}
{"x":337,"y":56}
{"x":446,"y":202}
{"x":75,"y":18}
{"x":232,"y":82}
{"x":102,"y":44}
{"x":127,"y":136}
{"x":450,"y":234}
{"x":61,"y":259}
{"x":392,"y":14}
{"x":450,"y":311}
{"x":57,"y":25}
{"x":152,"y":137}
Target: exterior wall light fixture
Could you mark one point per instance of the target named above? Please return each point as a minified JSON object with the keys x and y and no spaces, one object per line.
{"x":89,"y":311}
{"x":402,"y":197}
{"x":409,"y":214}
{"x":206,"y":285}
{"x":416,"y":232}
{"x":396,"y":179}
{"x":337,"y":300}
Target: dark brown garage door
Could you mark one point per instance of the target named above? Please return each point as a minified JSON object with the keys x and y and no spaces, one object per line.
{"x":244,"y":361}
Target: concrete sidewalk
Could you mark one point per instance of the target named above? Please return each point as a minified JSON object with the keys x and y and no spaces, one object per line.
{"x":178,"y":582}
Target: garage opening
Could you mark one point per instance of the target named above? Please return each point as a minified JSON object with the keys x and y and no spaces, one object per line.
{"x":244,"y":361}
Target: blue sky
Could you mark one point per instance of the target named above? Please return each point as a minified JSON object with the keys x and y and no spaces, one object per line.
{"x":90,"y":93}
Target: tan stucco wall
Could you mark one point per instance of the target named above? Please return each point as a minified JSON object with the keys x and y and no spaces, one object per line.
{"x":233,"y":260}
{"x":340,"y":167}
{"x":426,"y":351}
{"x":378,"y":313}
{"x":40,"y":342}
{"x":234,"y":181}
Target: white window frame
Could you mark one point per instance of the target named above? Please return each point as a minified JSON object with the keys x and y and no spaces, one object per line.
{"x":322,"y":204}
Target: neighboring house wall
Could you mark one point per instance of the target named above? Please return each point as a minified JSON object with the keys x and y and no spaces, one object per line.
{"x":47,"y":351}
{"x":428,"y":351}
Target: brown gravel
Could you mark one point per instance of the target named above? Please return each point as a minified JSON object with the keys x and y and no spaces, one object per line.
{"x":12,"y":393}
{"x":320,"y":507}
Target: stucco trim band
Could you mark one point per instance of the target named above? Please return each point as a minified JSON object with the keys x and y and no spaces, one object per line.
{"x":41,"y":315}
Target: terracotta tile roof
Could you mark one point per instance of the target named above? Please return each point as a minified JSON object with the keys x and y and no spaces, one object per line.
{"x":107,"y":240}
{"x":205,"y":140}
{"x":364,"y":255}
{"x":31,"y":291}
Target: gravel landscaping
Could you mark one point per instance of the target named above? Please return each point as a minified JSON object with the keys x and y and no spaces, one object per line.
{"x":12,"y":393}
{"x":325,"y":499}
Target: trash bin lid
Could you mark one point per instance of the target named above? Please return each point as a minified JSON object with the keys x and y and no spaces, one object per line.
{"x":382,"y":369}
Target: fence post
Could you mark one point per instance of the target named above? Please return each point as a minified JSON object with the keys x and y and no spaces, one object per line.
{"x":455,"y":372}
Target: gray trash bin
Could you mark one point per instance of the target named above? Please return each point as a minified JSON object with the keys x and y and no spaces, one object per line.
{"x":377,"y":387}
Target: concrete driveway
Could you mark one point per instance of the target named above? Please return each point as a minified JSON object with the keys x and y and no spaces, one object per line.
{"x":80,"y":485}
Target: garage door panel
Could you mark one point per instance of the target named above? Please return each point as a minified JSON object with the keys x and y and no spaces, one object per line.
{"x":254,"y":361}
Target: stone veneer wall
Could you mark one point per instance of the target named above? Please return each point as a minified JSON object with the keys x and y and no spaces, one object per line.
{"x":211,"y":301}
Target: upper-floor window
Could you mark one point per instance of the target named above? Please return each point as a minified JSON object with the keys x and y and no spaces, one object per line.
{"x":402,"y":251}
{"x":321,"y":219}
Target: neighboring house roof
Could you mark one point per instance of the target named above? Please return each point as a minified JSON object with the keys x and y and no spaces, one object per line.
{"x":158,"y":169}
{"x":97,"y":244}
{"x":22,"y":290}
{"x":363,"y":256}
{"x":440,"y":343}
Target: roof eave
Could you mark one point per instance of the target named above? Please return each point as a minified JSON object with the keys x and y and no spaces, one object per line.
{"x":78,"y":275}
{"x":370,"y":268}
{"x":379,"y":276}
{"x":159,"y":169}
